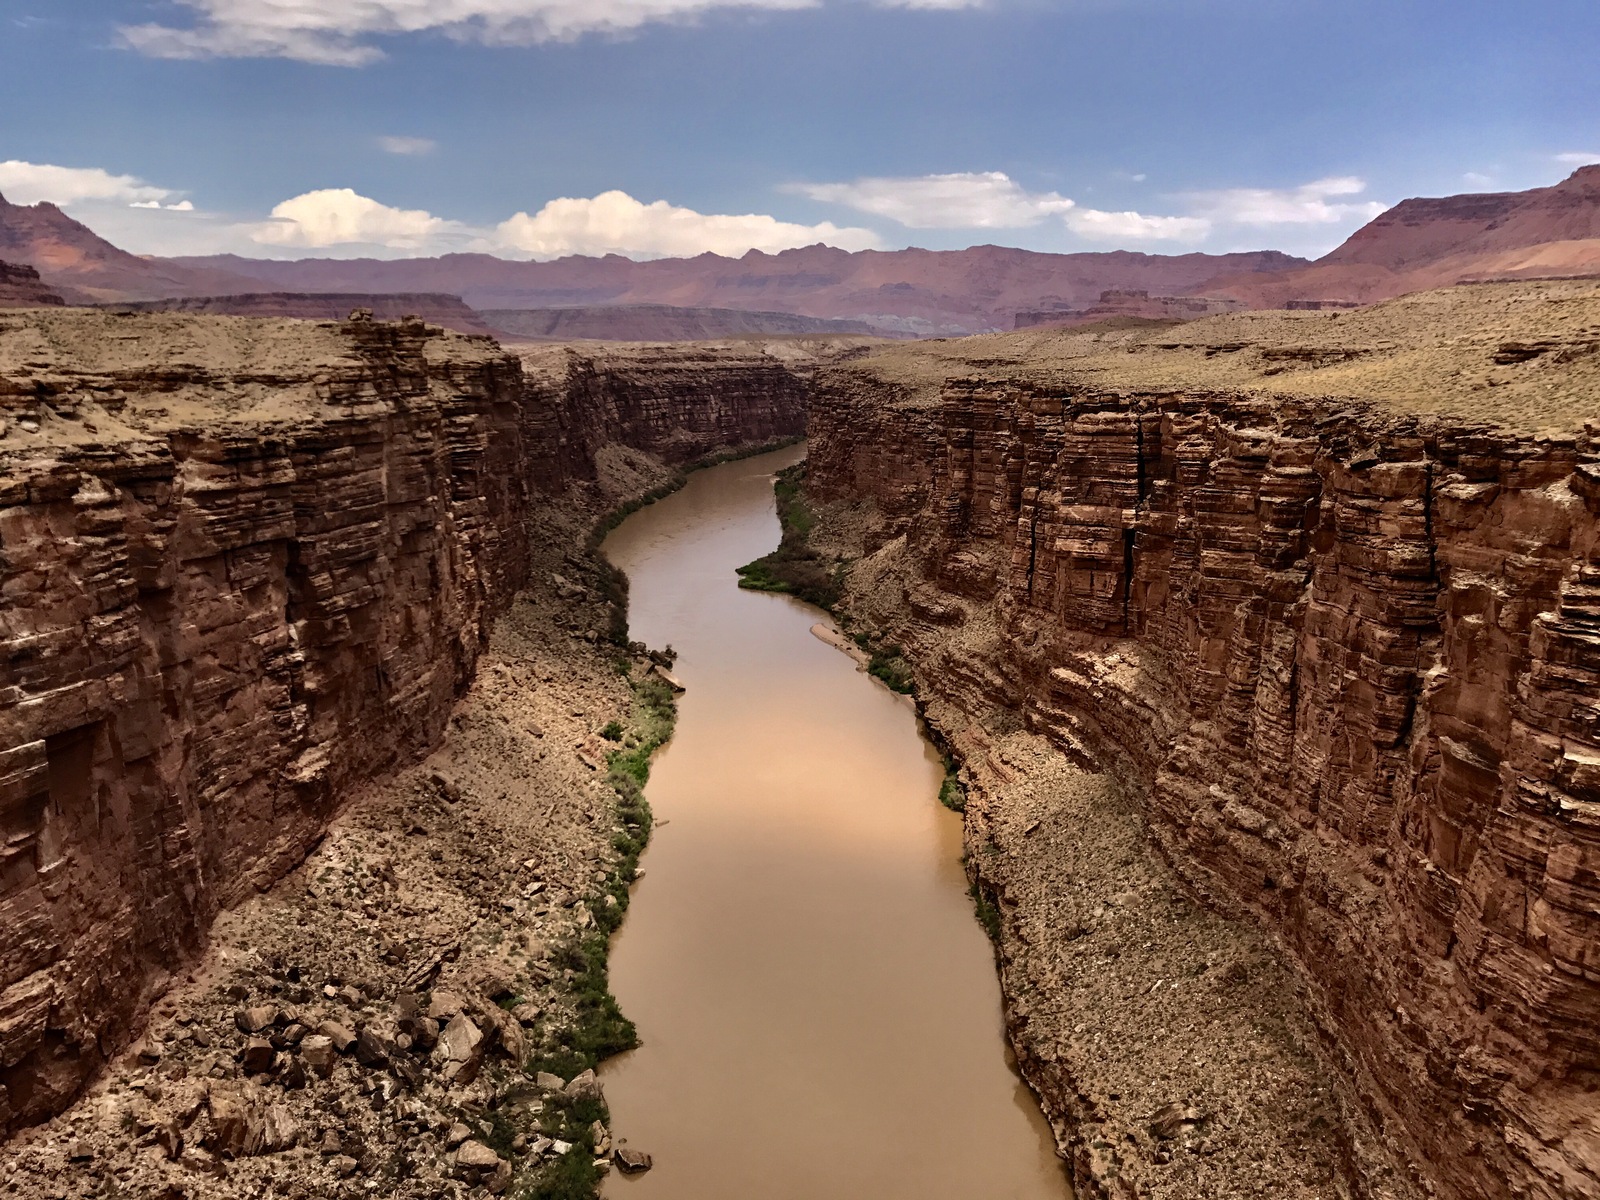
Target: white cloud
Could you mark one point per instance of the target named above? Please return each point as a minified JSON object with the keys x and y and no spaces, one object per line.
{"x":342,"y":217}
{"x":1133,"y":226}
{"x":972,"y":200}
{"x":615,"y":223}
{"x":1578,"y":158}
{"x":29,"y":183}
{"x":340,"y":32}
{"x":993,"y":200}
{"x":1321,"y":202}
{"x":407,"y":145}
{"x":1477,"y":179}
{"x":180,"y":206}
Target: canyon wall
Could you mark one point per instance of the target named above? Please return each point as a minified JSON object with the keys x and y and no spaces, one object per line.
{"x":247,"y":565}
{"x":1347,"y":659}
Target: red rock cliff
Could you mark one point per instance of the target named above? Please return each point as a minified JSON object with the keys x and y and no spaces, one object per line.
{"x":1358,"y":696}
{"x":245,"y":565}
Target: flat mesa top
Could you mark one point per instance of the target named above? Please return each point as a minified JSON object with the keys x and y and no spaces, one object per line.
{"x":133,"y":375}
{"x":1524,"y":356}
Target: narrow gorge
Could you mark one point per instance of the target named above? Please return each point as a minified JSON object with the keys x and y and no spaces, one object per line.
{"x":1265,"y":649}
{"x":1312,"y":599}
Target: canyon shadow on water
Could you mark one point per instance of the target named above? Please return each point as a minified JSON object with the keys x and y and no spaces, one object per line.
{"x":818,"y":1007}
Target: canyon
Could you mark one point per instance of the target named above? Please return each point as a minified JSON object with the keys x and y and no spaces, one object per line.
{"x":251,"y":566}
{"x":1264,"y":646}
{"x":1309,"y":598}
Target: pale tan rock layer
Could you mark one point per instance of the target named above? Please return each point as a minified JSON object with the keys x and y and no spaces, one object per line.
{"x":247,"y":565}
{"x":1348,"y":661}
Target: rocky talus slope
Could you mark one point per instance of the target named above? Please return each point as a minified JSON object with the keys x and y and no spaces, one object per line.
{"x":1309,"y":603}
{"x":255,"y":572}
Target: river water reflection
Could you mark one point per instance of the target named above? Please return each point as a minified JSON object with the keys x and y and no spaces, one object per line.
{"x":818,"y":1007}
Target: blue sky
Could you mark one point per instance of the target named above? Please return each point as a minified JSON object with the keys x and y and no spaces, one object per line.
{"x":541,"y":127}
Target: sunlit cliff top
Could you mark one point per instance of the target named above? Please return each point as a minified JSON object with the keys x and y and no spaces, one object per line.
{"x":1522,"y":355}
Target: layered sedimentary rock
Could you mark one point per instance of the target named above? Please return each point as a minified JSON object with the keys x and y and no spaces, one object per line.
{"x":1345,"y":652}
{"x":21,"y":287}
{"x":246,"y":565}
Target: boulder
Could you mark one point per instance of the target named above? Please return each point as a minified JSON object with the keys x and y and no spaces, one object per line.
{"x":319,"y":1054}
{"x":460,"y":1050}
{"x":632,"y":1162}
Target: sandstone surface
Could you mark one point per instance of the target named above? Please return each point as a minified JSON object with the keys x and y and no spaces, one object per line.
{"x":250,"y":566}
{"x":1315,"y":593}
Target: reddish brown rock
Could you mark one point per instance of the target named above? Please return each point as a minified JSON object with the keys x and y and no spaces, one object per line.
{"x":247,"y":565}
{"x":1349,"y":661}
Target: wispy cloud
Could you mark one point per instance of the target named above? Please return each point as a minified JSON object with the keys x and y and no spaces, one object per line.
{"x":992,"y":200}
{"x":29,"y":183}
{"x":974,"y":200}
{"x":410,"y":146}
{"x":1577,"y":158}
{"x":344,"y":33}
{"x":1322,"y":202}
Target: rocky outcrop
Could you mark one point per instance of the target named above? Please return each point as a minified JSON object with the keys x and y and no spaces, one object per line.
{"x":248,"y":565}
{"x":1346,"y":658}
{"x":21,"y":287}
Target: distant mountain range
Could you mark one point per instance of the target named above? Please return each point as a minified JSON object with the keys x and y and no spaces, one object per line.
{"x":1418,"y":244}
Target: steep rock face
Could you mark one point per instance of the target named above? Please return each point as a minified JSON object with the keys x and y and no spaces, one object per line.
{"x":208,"y":637}
{"x":679,"y":403}
{"x":1350,"y":662}
{"x":247,"y":565}
{"x":21,"y":287}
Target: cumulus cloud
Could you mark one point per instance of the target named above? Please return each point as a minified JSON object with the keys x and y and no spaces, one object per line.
{"x":342,"y":217}
{"x":1321,"y":202}
{"x":341,"y":32}
{"x":615,"y":223}
{"x":411,"y":146}
{"x":993,"y":200}
{"x":1577,"y":158}
{"x":29,"y":183}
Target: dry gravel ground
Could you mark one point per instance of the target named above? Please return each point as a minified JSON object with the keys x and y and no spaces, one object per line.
{"x":1525,"y":356}
{"x":435,"y":930}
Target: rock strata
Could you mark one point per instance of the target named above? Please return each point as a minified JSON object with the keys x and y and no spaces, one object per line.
{"x":1339,"y":652}
{"x":248,"y":567}
{"x":21,"y":287}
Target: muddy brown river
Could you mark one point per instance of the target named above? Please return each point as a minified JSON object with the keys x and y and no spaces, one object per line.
{"x":818,"y":1007}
